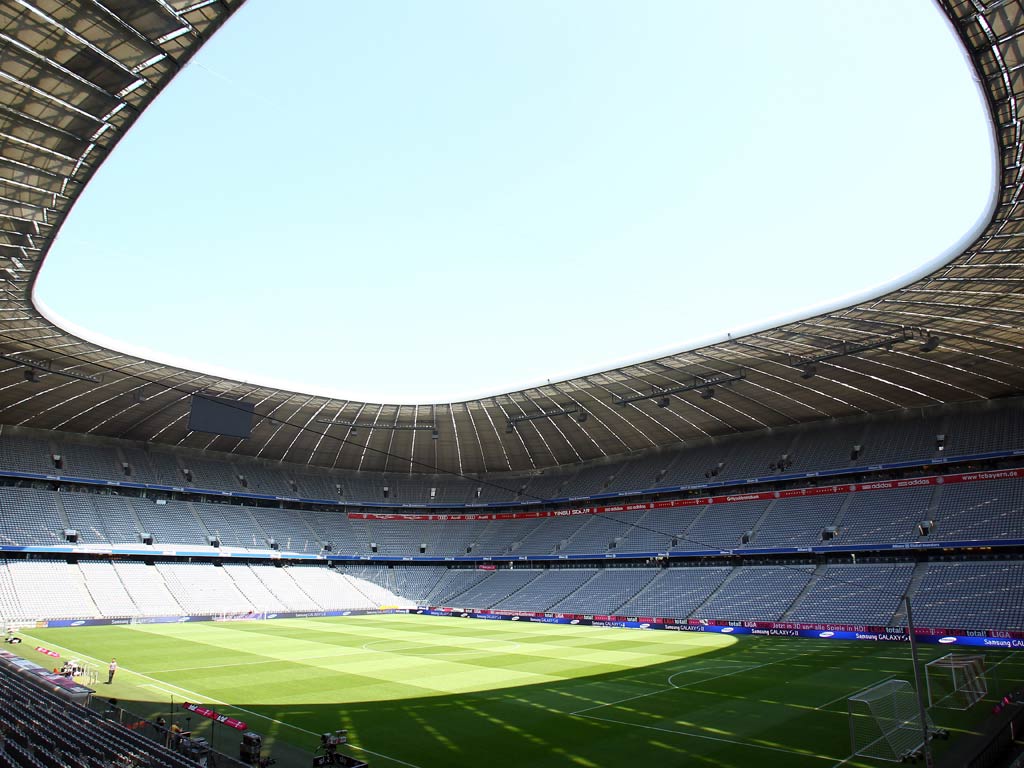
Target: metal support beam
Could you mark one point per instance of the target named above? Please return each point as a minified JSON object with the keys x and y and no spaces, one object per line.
{"x":47,"y":366}
{"x":569,"y":410}
{"x":387,"y":427}
{"x":699,"y":383}
{"x":846,"y":348}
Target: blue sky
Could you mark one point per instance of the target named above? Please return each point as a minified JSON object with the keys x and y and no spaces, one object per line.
{"x":418,"y":202}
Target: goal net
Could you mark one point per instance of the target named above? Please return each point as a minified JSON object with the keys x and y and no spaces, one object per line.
{"x":956,"y":681}
{"x":885,"y":723}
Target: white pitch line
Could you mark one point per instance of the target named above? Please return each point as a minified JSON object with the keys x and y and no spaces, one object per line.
{"x":226,"y":704}
{"x":844,"y":761}
{"x":157,"y":688}
{"x":1006,"y":659}
{"x":848,"y":759}
{"x":673,"y":687}
{"x":709,"y":738}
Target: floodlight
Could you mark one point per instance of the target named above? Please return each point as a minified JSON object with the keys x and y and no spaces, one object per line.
{"x":31,"y":375}
{"x":663,"y":402}
{"x":930,"y":344}
{"x":708,"y":393}
{"x":434,"y":434}
{"x":809,"y":372}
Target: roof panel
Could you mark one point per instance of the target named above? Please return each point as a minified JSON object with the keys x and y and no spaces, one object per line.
{"x":61,"y":70}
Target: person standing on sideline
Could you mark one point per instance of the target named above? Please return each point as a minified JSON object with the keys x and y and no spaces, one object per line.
{"x":111,"y":670}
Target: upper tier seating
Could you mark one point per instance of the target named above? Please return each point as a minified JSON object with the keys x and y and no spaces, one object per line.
{"x":976,"y":511}
{"x":29,"y":516}
{"x":980,"y":511}
{"x":887,"y":515}
{"x":846,"y":445}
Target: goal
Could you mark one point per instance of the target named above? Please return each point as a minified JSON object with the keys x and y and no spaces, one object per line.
{"x":885,"y":723}
{"x":956,"y":681}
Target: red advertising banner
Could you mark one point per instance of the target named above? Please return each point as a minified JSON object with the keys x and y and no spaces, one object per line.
{"x":736,"y":498}
{"x":230,"y":722}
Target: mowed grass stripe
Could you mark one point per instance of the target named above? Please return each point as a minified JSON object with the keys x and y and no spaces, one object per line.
{"x":505,"y":690}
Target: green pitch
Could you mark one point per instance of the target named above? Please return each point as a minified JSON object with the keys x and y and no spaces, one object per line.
{"x":426,"y":692}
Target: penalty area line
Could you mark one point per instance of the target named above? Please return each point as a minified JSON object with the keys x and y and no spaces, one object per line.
{"x":710,"y":738}
{"x":673,"y":687}
{"x":212,"y":700}
{"x":157,"y":688}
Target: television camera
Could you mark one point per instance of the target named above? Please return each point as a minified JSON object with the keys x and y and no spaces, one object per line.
{"x":329,"y":743}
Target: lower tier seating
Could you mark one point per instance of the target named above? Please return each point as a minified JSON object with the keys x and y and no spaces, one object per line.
{"x":968,"y":595}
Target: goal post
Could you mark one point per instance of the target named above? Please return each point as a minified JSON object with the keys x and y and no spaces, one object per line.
{"x":885,"y":723}
{"x":956,"y":681}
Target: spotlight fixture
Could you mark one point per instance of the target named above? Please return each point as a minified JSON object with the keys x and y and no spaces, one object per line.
{"x":930,"y":344}
{"x":809,"y":372}
{"x":31,"y":375}
{"x":663,"y":402}
{"x":435,"y":435}
{"x":569,"y":409}
{"x":700,"y":384}
{"x":396,"y":427}
{"x":37,"y":365}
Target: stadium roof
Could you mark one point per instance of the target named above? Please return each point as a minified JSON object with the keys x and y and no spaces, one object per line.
{"x":75,"y":75}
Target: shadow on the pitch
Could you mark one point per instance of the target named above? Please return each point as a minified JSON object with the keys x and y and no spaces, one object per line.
{"x":748,"y":702}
